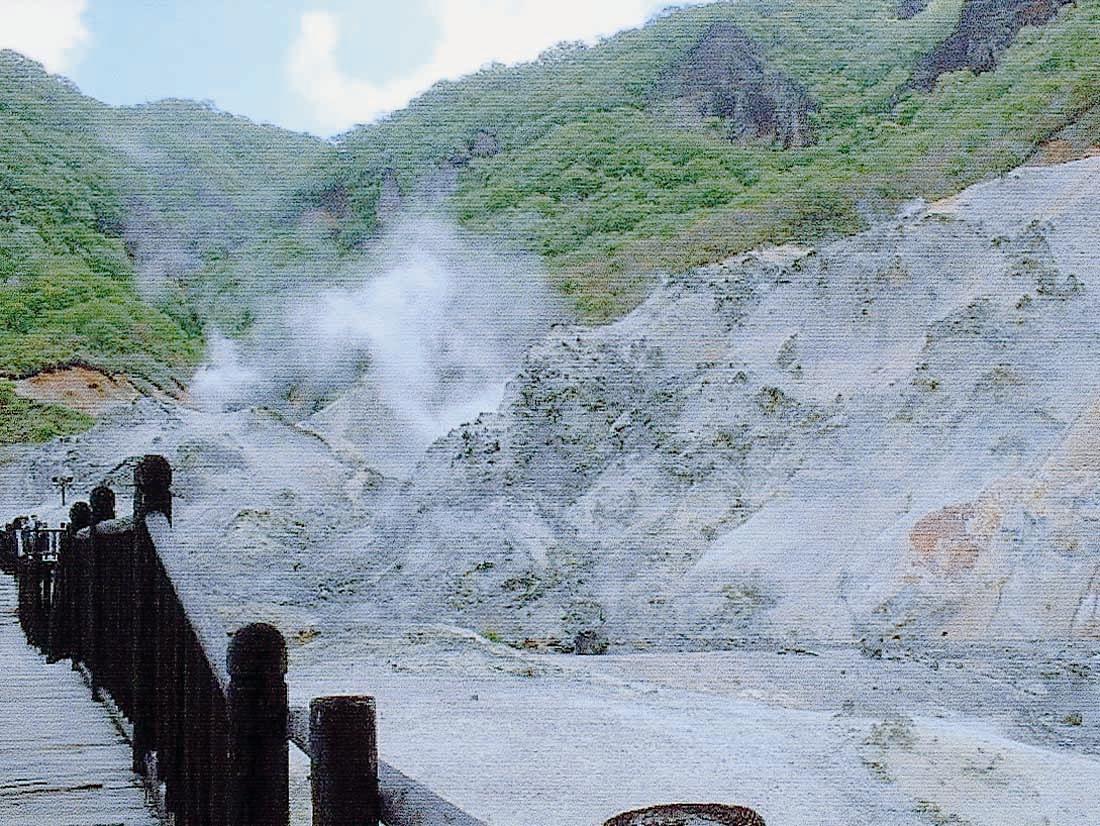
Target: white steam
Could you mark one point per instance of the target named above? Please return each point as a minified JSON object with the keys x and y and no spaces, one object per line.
{"x":423,"y":337}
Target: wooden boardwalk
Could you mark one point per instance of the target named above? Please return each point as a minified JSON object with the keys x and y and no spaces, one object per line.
{"x":62,"y":761}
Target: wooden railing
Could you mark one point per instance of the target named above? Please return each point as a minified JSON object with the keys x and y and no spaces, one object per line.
{"x":208,"y":713}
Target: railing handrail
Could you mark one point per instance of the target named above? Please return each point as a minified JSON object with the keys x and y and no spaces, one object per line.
{"x":404,"y":800}
{"x":212,"y":636}
{"x":109,"y":527}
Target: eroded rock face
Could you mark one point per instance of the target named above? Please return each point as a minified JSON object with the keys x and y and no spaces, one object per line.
{"x":894,"y":434}
{"x":986,"y":28}
{"x":80,"y":388}
{"x":484,"y":144}
{"x":1077,"y":140}
{"x":590,"y":642}
{"x":726,"y":76}
{"x":390,"y":198}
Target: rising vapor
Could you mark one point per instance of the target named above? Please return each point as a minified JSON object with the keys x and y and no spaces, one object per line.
{"x":423,"y":335}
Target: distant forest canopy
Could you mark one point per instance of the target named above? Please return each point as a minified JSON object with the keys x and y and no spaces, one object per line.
{"x":126,"y":233}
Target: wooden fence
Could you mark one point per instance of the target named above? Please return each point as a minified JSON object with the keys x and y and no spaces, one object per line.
{"x":208,"y":712}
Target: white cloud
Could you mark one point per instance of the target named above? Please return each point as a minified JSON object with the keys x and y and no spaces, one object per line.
{"x":50,"y":31}
{"x":520,"y":30}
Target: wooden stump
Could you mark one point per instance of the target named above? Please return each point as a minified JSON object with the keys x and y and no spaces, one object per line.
{"x":344,"y":753}
{"x":688,"y":814}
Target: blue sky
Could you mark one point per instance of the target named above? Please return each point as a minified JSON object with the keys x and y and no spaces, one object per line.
{"x":311,"y":65}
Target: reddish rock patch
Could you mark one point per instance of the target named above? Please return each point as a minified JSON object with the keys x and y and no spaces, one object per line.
{"x":1062,"y":151}
{"x":78,"y":388}
{"x":951,"y":539}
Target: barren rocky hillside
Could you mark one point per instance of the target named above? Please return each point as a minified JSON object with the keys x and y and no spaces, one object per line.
{"x":892,"y":435}
{"x":889,"y":437}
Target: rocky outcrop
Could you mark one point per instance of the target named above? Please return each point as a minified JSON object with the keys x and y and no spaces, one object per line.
{"x":726,"y":76}
{"x":79,"y":388}
{"x":908,"y":9}
{"x":1078,"y":139}
{"x":390,"y":199}
{"x":985,"y":29}
{"x":589,"y":643}
{"x":484,"y":144}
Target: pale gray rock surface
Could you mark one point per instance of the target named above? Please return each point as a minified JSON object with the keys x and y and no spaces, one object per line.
{"x":892,"y":435}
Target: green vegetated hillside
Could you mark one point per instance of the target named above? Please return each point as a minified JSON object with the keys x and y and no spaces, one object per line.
{"x":599,"y":170}
{"x":108,"y":218}
{"x":67,"y":293}
{"x":22,"y":420}
{"x":125,"y":231}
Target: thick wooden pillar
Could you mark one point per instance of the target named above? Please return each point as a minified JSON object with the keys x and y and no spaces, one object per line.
{"x":343,"y":747}
{"x":152,"y":487}
{"x":257,"y":708}
{"x":102,"y":502}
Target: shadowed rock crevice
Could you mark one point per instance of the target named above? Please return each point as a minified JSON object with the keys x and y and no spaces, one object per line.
{"x":726,"y":76}
{"x":985,"y":30}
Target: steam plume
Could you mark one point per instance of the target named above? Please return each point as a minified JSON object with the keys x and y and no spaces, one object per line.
{"x":422,"y":336}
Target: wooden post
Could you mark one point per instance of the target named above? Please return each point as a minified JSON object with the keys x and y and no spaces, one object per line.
{"x":170,"y":687}
{"x":6,"y":553}
{"x":65,"y":619}
{"x":78,"y":567}
{"x":143,"y":663}
{"x":80,"y":516}
{"x":90,"y":639}
{"x":152,"y":487}
{"x":163,"y":674}
{"x":23,"y":585}
{"x":102,"y":502}
{"x":49,"y":588}
{"x":219,"y":753}
{"x":257,"y":709}
{"x":344,"y":761}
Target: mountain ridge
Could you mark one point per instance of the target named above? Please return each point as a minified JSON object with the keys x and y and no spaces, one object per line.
{"x":126,"y":233}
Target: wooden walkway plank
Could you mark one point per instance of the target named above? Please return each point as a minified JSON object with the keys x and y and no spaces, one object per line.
{"x":62,"y":761}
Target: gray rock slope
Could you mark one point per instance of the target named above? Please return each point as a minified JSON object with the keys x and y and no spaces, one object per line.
{"x":894,"y":436}
{"x":890,"y":439}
